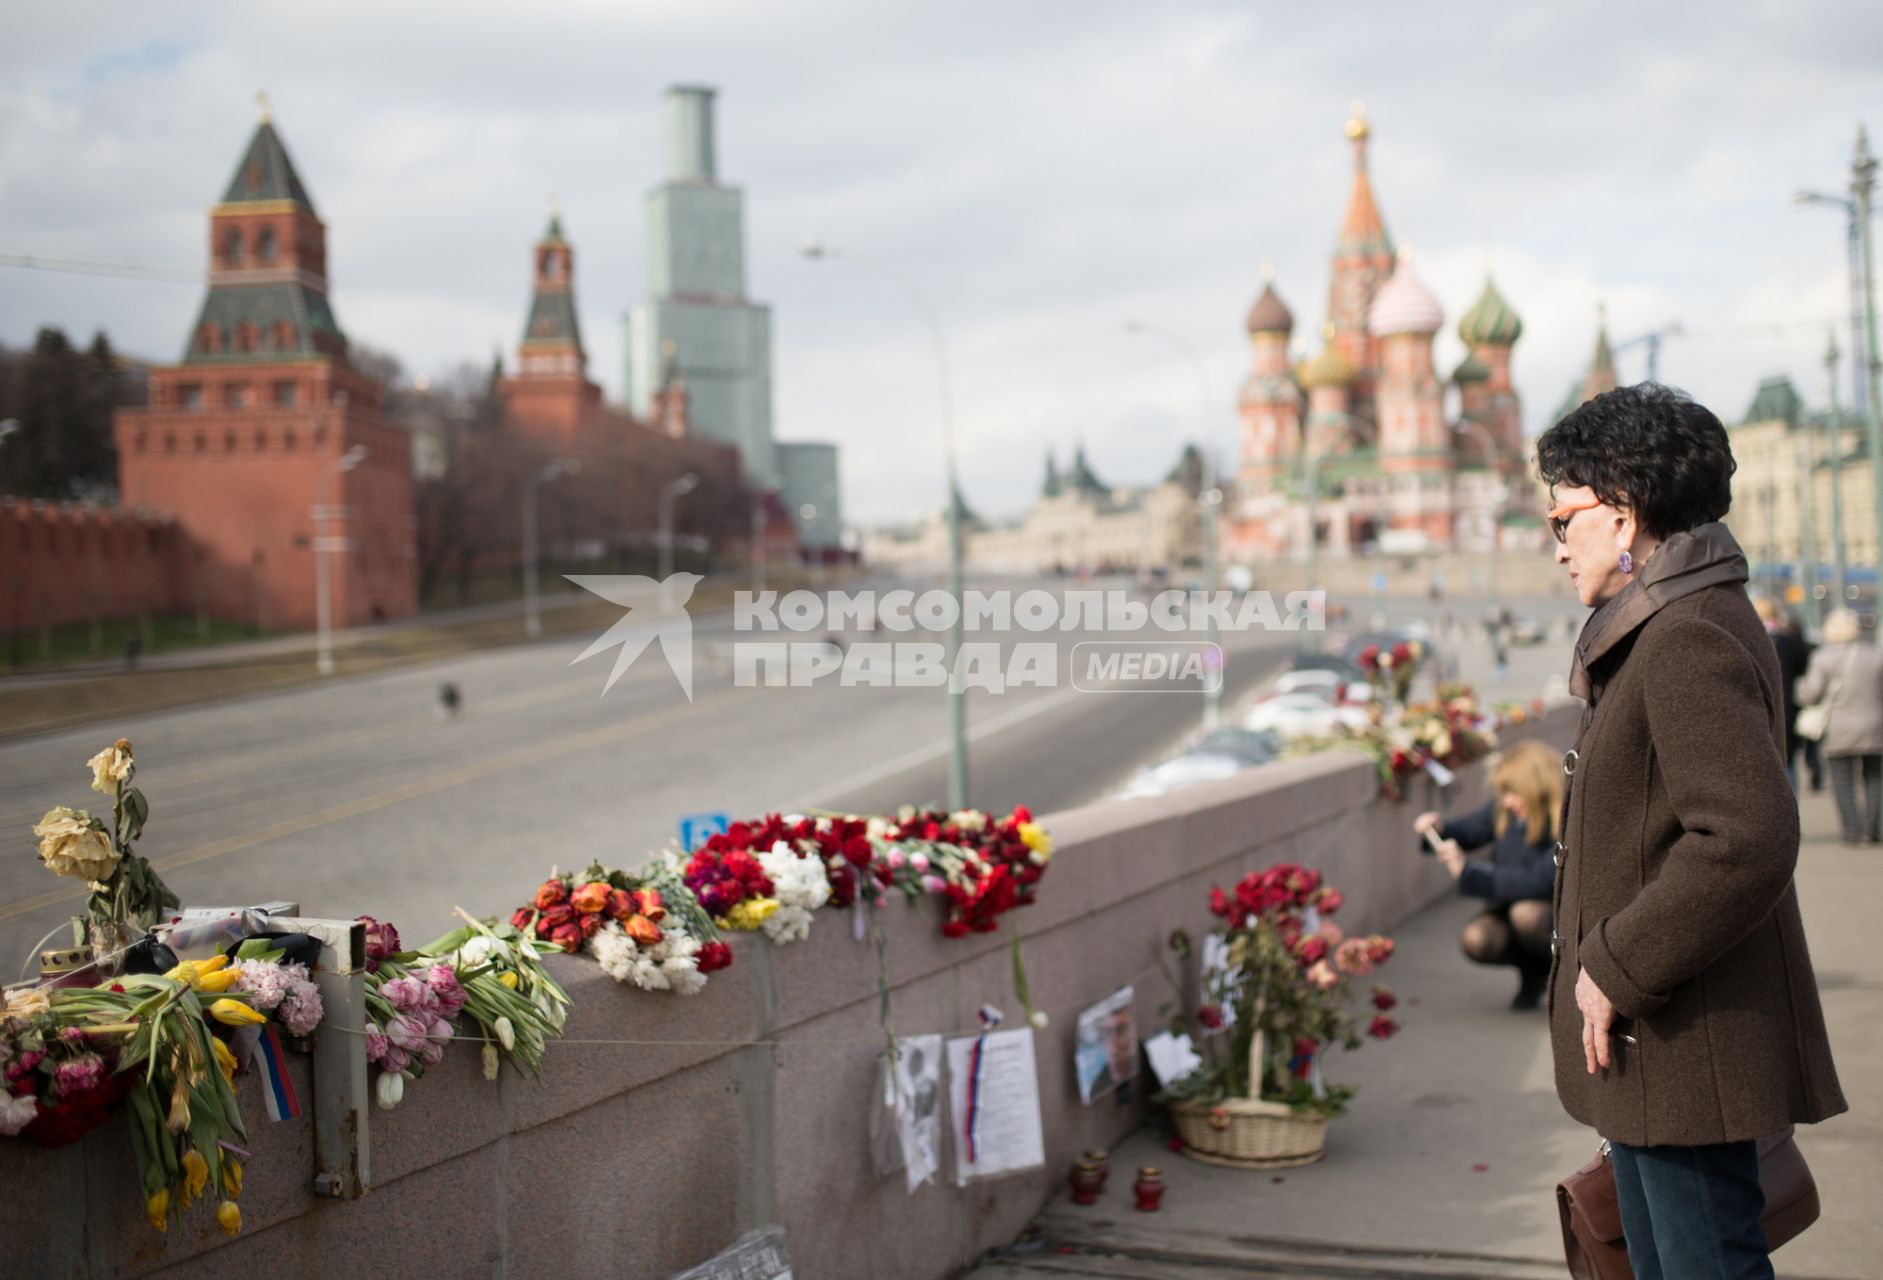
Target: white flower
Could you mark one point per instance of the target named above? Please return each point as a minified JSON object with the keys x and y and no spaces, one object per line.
{"x":787,"y":924}
{"x":477,"y":950}
{"x":16,"y":1113}
{"x":389,"y":1090}
{"x":490,"y":1062}
{"x":506,"y":1034}
{"x":968,"y":819}
{"x":1039,"y":1019}
{"x":683,"y":973}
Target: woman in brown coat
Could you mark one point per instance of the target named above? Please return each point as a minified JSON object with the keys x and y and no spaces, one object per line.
{"x":1684,"y":1016}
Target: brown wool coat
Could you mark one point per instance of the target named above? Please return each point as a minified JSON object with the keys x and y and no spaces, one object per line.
{"x":1675,"y":888}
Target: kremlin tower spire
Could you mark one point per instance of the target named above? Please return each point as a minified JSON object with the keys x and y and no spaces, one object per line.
{"x":552,"y":339}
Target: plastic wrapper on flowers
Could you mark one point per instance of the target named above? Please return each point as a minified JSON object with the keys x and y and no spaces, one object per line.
{"x":1451,"y":730}
{"x":1278,"y":963}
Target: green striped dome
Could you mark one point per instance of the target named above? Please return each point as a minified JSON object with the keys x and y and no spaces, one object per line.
{"x":1490,"y":321}
{"x":1471,"y":369}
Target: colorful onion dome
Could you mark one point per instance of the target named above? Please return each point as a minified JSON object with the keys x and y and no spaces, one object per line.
{"x":1331,"y":368}
{"x":1490,"y":321}
{"x":1471,"y":369}
{"x":1405,"y":305}
{"x":1270,"y":314}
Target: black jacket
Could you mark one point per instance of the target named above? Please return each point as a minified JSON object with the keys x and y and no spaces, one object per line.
{"x":1794,"y":655}
{"x":1518,"y":870}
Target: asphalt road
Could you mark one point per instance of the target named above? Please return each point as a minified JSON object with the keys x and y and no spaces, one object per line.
{"x":357,"y":796}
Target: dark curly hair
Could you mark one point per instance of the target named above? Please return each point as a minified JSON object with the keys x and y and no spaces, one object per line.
{"x":1647,"y":449}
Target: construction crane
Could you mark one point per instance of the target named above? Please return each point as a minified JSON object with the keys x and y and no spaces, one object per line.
{"x":1652,"y":341}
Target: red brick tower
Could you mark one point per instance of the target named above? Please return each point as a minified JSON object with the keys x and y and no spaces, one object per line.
{"x":1363,"y":260}
{"x":259,"y":424}
{"x":551,"y":397}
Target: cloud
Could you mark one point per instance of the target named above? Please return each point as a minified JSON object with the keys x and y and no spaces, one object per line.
{"x":1042,"y":172}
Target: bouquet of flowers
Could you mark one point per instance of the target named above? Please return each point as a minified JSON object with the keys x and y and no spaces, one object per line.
{"x":1278,"y":967}
{"x":646,"y":928}
{"x":153,"y":1041}
{"x":127,"y":896}
{"x":1390,"y":669}
{"x":506,"y":990}
{"x":284,"y":991}
{"x":980,"y":866}
{"x":1449,"y":729}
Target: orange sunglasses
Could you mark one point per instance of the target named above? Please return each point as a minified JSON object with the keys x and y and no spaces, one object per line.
{"x":1559,"y":516}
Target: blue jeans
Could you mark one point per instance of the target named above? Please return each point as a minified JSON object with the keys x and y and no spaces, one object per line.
{"x":1692,"y":1213}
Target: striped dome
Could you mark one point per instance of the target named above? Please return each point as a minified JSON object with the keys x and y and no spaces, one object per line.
{"x":1490,"y":321}
{"x":1471,"y":369}
{"x":1405,"y":305}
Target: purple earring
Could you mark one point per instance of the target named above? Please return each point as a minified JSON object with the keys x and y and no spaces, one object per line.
{"x":1627,"y":563}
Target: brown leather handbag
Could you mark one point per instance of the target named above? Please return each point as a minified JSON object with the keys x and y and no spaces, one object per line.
{"x":1592,"y":1236}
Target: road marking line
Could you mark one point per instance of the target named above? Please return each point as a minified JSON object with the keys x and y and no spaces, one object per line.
{"x":367,"y":804}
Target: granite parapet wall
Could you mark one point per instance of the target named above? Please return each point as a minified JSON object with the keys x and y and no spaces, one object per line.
{"x":664,"y":1127}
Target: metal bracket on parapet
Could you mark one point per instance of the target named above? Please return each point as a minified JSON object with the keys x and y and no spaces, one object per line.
{"x":342,"y":1169}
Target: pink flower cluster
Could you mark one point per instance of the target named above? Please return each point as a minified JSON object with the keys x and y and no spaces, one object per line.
{"x":420,"y":1026}
{"x":284,"y":990}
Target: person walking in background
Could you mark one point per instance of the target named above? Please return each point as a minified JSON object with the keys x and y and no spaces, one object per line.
{"x":1519,"y":823}
{"x":1847,"y":675}
{"x":1684,"y":1015}
{"x":1794,"y":652}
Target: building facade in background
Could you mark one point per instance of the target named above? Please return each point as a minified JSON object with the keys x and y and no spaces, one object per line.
{"x":699,"y":325}
{"x":1076,"y":524}
{"x":264,"y":444}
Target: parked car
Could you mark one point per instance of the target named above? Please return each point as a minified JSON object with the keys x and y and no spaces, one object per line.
{"x":1326,"y":662}
{"x":1184,"y":771}
{"x":1325,"y":683}
{"x":1527,"y":631}
{"x":1301,"y":715}
{"x":1249,"y":745}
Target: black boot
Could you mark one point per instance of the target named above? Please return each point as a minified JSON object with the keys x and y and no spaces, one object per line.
{"x":1535,"y":981}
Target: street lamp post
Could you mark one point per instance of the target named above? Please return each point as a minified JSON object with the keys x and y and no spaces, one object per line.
{"x":324,"y":546}
{"x":676,"y":490}
{"x":532,"y":613}
{"x":1839,"y":567}
{"x":1312,"y":462}
{"x":1808,"y":528}
{"x":957,"y":691}
{"x":1210,"y":498}
{"x":1862,"y":186}
{"x":1495,"y":458}
{"x":807,"y":512}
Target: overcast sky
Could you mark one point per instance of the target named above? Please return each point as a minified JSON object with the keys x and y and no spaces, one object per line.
{"x":1044,"y":171}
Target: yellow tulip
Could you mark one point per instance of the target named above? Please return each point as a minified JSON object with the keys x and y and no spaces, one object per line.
{"x":233,"y":1013}
{"x":224,"y":1059}
{"x":231,"y":1177}
{"x":211,"y":965}
{"x":157,"y":1209}
{"x":229,"y":1217}
{"x":218,"y":982}
{"x":195,"y":1172}
{"x":508,"y":978}
{"x":1034,"y":836}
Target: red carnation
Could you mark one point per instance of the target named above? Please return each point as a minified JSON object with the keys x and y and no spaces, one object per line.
{"x":1211,"y":1016}
{"x":1379,"y":950}
{"x":1311,"y":950}
{"x":1331,"y":901}
{"x":1381,"y":1027}
{"x":954,"y":929}
{"x":1219,"y":902}
{"x":714,"y":956}
{"x":1384,"y":999}
{"x":1022,"y":814}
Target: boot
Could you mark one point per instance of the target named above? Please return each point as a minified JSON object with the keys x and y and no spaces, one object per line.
{"x":1534,"y":981}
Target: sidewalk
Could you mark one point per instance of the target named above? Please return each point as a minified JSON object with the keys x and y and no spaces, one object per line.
{"x":1446,"y":1164}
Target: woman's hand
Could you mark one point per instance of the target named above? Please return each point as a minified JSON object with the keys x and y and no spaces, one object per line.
{"x":1452,"y":856}
{"x":1598,"y":1015}
{"x":1427,"y":822}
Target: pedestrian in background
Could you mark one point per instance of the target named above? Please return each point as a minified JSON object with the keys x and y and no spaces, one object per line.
{"x":1684,"y":1015}
{"x":1519,"y":825}
{"x":1847,"y":675}
{"x":1794,"y":653}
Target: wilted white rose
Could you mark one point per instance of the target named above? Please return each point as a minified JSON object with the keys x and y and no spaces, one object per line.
{"x":73,"y":843}
{"x":111,"y":767}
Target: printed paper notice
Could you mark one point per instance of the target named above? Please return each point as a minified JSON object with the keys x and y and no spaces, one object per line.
{"x":994,"y":1101}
